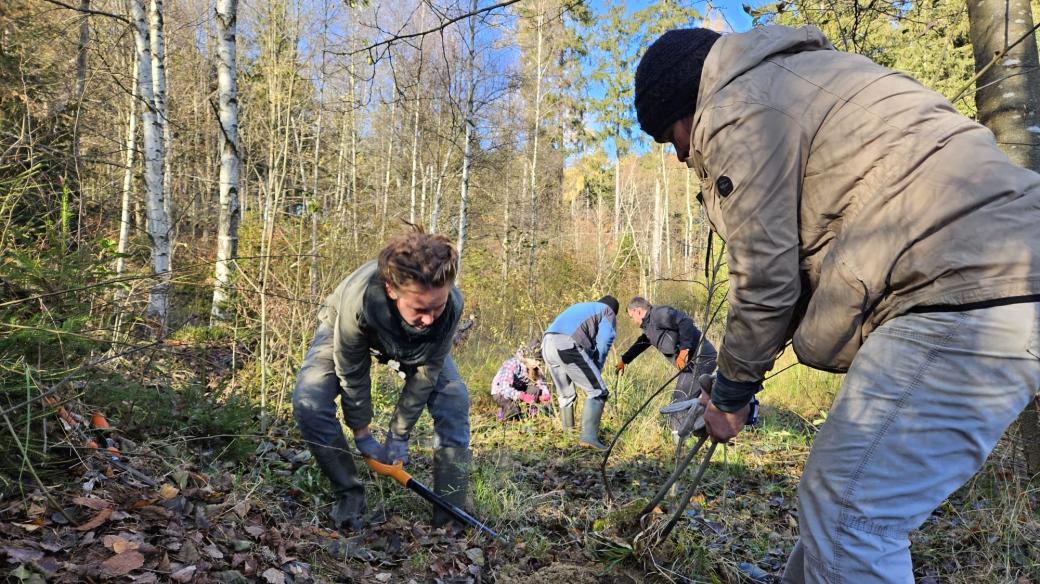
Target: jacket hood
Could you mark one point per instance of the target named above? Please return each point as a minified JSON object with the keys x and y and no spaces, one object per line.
{"x":734,"y":54}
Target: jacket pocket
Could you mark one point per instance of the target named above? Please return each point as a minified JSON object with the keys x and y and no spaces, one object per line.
{"x":831,"y":332}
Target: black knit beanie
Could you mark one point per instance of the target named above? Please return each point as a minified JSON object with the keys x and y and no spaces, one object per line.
{"x":668,"y":77}
{"x":611,"y":302}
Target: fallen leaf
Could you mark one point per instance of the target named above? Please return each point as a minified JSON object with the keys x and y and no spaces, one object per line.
{"x":168,"y":491}
{"x":94,"y":523}
{"x":383,"y":576}
{"x":30,"y":527}
{"x":476,"y":555}
{"x":185,"y":574}
{"x":21,"y":555}
{"x":274,"y":576}
{"x":213,"y":551}
{"x":124,"y":563}
{"x":146,"y":578}
{"x":92,"y":503}
{"x":119,"y":544}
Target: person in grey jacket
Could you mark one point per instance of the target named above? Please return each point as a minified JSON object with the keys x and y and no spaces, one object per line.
{"x":575,"y":347}
{"x":401,"y":309}
{"x":675,"y":336}
{"x":885,"y":235}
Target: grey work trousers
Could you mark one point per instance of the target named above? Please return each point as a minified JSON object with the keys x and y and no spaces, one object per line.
{"x":686,"y":386}
{"x":318,"y":386}
{"x":925,"y":401}
{"x":570,"y":365}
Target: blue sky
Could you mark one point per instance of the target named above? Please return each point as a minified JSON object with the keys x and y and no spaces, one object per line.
{"x":731,"y":9}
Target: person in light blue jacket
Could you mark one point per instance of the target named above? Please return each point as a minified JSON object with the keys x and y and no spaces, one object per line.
{"x":575,"y":348}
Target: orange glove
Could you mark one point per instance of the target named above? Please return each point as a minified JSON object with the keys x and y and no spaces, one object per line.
{"x":619,"y":368}
{"x":682,"y":358}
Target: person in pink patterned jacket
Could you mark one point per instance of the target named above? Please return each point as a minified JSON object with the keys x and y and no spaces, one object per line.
{"x":519,"y":387}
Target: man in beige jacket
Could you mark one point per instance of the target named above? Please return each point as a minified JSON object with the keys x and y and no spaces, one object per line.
{"x":886,"y":236}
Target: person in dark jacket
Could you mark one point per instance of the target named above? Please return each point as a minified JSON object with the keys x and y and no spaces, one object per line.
{"x":884,"y":235}
{"x":575,"y":348}
{"x":401,"y":309}
{"x":673,"y":333}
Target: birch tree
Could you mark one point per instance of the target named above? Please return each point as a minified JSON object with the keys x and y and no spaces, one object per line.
{"x":227,"y":90}
{"x":128,"y":174}
{"x":157,"y":40}
{"x":470,"y":123}
{"x":158,"y":222}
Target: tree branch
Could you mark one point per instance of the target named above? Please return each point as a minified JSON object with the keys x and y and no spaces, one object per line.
{"x":443,"y":25}
{"x":88,"y":11}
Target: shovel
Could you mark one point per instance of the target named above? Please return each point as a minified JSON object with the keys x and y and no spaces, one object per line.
{"x":396,"y":471}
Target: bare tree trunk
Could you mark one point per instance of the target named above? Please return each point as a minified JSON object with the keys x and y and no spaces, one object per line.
{"x":158,"y":220}
{"x":688,"y":229}
{"x":230,"y":161}
{"x":600,"y":252}
{"x":535,"y":131}
{"x":128,"y":176}
{"x":1008,"y":98}
{"x":415,"y":162}
{"x":418,"y":106}
{"x":655,"y":238}
{"x":427,"y":174}
{"x":353,"y":155}
{"x":158,"y":44}
{"x":435,"y":214}
{"x":341,"y":154}
{"x":467,"y":153}
{"x":386,"y":179}
{"x":617,"y":199}
{"x":81,"y":86}
{"x":505,"y":234}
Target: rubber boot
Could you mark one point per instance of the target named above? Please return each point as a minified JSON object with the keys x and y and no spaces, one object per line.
{"x":451,"y":468}
{"x":590,"y":418}
{"x":567,"y":417}
{"x":337,"y":464}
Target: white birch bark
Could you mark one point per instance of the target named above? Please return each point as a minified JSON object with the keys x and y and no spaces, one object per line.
{"x":157,"y":39}
{"x":230,"y":162}
{"x":415,"y":161}
{"x":151,"y":130}
{"x":128,"y":176}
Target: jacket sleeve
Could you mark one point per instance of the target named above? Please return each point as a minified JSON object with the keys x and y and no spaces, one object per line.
{"x":754,"y":157}
{"x":637,"y":348}
{"x":353,"y":365}
{"x":503,"y":383}
{"x":605,"y":333}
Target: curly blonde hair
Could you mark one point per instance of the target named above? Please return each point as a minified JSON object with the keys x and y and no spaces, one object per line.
{"x":414,"y":257}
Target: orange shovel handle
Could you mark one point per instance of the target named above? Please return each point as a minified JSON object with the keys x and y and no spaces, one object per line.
{"x":395,"y":471}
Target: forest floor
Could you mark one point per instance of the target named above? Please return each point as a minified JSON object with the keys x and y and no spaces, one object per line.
{"x":194,"y":492}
